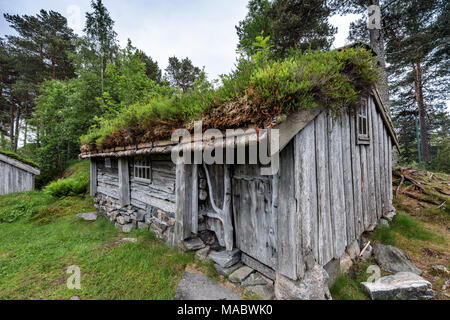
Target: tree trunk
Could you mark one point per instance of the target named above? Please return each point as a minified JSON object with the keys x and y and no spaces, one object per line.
{"x":17,"y":129}
{"x":423,"y":132}
{"x":377,"y":44}
{"x":11,"y":124}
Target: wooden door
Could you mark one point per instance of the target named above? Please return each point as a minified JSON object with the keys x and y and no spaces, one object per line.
{"x":255,"y":223}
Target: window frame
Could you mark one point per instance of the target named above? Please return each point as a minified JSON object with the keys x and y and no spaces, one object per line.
{"x":108,"y":163}
{"x":142,"y":163}
{"x":363,"y":137}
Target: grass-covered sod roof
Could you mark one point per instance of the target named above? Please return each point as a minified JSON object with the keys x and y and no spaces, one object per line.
{"x":254,"y":95}
{"x":19,"y":158}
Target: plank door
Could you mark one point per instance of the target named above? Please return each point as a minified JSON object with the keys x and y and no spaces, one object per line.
{"x":255,"y":224}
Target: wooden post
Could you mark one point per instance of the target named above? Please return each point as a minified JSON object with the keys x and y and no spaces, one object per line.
{"x":183,"y":225}
{"x":124,"y":182}
{"x":93,"y":176}
{"x":195,"y":198}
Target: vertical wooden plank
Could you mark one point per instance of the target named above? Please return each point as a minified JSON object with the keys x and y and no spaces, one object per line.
{"x":376,"y":156}
{"x":372,"y":213}
{"x":305,"y":194}
{"x":381,"y":163}
{"x":124,"y":182}
{"x":348,"y":178}
{"x":93,"y":177}
{"x":194,"y":222}
{"x":183,"y":214}
{"x":337,"y":201}
{"x":364,"y":187}
{"x":387,"y":170}
{"x":323,"y":193}
{"x":390,"y":173}
{"x":356,"y":174}
{"x":287,"y":224}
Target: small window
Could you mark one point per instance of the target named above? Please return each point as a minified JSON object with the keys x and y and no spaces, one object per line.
{"x":107,"y":162}
{"x":142,"y":169}
{"x":362,"y":123}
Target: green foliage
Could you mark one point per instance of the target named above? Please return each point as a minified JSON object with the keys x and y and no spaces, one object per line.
{"x":304,"y":80}
{"x":347,"y":288}
{"x":299,"y":24}
{"x":182,"y":74}
{"x":405,"y":226}
{"x":19,"y":158}
{"x":77,"y":183}
{"x":23,"y":205}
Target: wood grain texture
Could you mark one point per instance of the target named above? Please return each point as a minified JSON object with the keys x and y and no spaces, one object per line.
{"x":93,"y":177}
{"x":124,"y":182}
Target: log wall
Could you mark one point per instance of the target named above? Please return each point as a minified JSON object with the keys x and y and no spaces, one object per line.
{"x":13,"y":179}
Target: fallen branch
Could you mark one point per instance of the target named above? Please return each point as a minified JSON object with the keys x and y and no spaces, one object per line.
{"x":414,"y":196}
{"x":441,"y":191}
{"x":364,"y":249}
{"x":398,"y":188}
{"x":442,"y":204}
{"x":413,"y":181}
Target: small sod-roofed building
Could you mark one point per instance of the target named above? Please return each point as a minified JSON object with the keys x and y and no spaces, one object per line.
{"x":16,"y":174}
{"x":332,"y":182}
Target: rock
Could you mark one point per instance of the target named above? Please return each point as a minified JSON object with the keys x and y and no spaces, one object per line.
{"x":75,"y":298}
{"x":254,"y":279}
{"x":88,"y":216}
{"x":240,"y":274}
{"x":195,"y":286}
{"x":333,"y":269}
{"x":445,"y":285}
{"x":313,"y":286}
{"x":345,"y":263}
{"x":389,"y":216}
{"x":439,"y":269}
{"x":227,"y":271}
{"x":120,"y":220}
{"x":143,"y":225}
{"x":202,"y":254}
{"x":265,"y":292}
{"x":353,"y":249}
{"x":393,"y":259}
{"x":126,"y":228}
{"x":226,"y":258}
{"x":140,"y":216}
{"x":310,"y":261}
{"x":367,"y":253}
{"x":383,"y":223}
{"x":128,"y":240}
{"x":402,"y":285}
{"x":193,"y":244}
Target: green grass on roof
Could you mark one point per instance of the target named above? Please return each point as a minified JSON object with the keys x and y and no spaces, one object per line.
{"x":19,"y":158}
{"x":256,"y":93}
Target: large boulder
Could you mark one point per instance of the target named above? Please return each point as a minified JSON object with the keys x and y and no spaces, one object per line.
{"x":313,"y":286}
{"x":394,"y":260}
{"x":402,"y":285}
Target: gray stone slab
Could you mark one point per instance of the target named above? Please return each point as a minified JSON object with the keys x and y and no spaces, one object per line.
{"x":195,"y":286}
{"x":402,"y":285}
{"x":254,"y":279}
{"x":227,"y":271}
{"x":240,"y":274}
{"x":88,"y":216}
{"x":226,"y":258}
{"x":265,"y":292}
{"x":193,"y":244}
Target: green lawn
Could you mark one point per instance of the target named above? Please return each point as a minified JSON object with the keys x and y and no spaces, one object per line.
{"x":37,"y":249}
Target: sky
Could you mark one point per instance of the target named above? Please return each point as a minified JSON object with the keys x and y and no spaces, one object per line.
{"x":203,"y":30}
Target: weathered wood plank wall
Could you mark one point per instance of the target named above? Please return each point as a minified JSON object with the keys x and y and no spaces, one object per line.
{"x":341,"y":187}
{"x":13,"y":179}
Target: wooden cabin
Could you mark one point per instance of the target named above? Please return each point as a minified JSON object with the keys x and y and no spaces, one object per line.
{"x":333,"y":183}
{"x":15,"y":174}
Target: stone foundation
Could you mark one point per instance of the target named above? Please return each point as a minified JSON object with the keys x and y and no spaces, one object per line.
{"x":130,"y":217}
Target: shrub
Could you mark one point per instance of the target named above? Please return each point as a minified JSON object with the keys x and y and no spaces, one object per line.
{"x":76,"y":184}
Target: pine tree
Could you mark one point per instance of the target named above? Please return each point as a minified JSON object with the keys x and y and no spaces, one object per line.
{"x":182,"y":74}
{"x":300,"y":24}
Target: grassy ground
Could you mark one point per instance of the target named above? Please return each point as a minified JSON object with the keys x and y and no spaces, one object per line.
{"x":420,"y":229}
{"x":45,"y":238}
